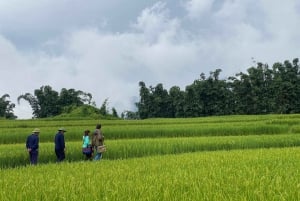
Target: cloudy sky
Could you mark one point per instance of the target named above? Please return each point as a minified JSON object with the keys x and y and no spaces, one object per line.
{"x":107,"y":47}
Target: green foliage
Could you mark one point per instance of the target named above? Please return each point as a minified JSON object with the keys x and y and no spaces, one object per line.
{"x":212,"y":158}
{"x":156,"y":136}
{"x":6,"y":108}
{"x":261,"y":90}
{"x":84,"y":111}
{"x":261,"y":174}
{"x":132,"y":148}
{"x":104,"y":107}
{"x":47,"y":102}
{"x":16,"y":131}
{"x":114,"y":112}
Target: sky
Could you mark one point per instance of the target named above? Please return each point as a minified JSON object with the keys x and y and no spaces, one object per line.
{"x":107,"y":47}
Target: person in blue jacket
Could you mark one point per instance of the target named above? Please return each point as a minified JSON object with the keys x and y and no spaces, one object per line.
{"x":87,"y":149}
{"x":60,"y":147}
{"x":32,"y":146}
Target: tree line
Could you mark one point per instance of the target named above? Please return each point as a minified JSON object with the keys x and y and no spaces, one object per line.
{"x":46,"y":102}
{"x":260,"y":90}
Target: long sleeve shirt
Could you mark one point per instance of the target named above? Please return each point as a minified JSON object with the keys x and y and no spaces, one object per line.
{"x":98,"y":138}
{"x":59,"y":141}
{"x":32,"y":142}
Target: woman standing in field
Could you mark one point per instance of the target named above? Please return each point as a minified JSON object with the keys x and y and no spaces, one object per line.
{"x":98,"y":142}
{"x":87,"y":149}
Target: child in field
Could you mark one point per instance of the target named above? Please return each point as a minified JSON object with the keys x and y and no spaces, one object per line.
{"x":87,"y":149}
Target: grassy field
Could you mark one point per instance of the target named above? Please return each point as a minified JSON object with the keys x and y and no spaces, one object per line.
{"x":212,"y":158}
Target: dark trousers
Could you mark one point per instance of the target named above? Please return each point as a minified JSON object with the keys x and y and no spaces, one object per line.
{"x":33,"y":156}
{"x":60,"y":154}
{"x":88,"y":156}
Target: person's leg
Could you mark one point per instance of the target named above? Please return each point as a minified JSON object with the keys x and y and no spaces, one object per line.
{"x":63,"y":156}
{"x":88,"y":156}
{"x":98,"y":156}
{"x":57,"y":155}
{"x":60,"y":155}
{"x":34,"y":157}
{"x":95,"y":148}
{"x":30,"y":157}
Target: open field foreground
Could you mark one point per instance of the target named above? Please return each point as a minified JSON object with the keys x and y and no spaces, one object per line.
{"x":260,"y":174}
{"x":212,"y":158}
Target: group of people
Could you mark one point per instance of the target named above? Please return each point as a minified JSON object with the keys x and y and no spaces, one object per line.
{"x":89,"y":145}
{"x":94,"y":145}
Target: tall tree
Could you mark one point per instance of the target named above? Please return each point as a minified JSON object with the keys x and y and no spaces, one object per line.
{"x":177,"y":102}
{"x":104,"y":107}
{"x":6,"y":107}
{"x":161,"y":102}
{"x":215,"y":94}
{"x":144,"y":105}
{"x":192,"y":103}
{"x":114,"y":112}
{"x":260,"y":80}
{"x":208,"y":96}
{"x":74,"y":97}
{"x":243,"y":93}
{"x":286,"y":78}
{"x":261,"y":90}
{"x":44,"y":102}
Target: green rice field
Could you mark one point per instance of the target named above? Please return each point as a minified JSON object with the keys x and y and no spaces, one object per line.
{"x":211,"y":158}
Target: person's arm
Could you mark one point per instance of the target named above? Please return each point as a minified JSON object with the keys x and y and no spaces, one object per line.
{"x":63,"y":141}
{"x":60,"y":141}
{"x":94,"y":140}
{"x":101,"y":136}
{"x":28,"y":144}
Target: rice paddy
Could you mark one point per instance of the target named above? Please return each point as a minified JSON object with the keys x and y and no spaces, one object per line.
{"x":212,"y":158}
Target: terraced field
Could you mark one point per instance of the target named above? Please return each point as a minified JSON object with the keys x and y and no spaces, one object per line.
{"x":212,"y":158}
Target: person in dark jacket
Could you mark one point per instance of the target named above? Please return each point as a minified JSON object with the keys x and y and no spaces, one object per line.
{"x":59,"y":142}
{"x":32,"y":146}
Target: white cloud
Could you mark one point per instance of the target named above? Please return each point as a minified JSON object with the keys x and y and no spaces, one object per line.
{"x":155,"y":23}
{"x":8,"y":54}
{"x":196,"y":8}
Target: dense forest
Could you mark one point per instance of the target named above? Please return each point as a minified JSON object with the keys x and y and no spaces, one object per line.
{"x":260,"y":90}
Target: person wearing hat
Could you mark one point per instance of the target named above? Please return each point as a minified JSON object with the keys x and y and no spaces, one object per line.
{"x":59,"y":142}
{"x":32,"y":146}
